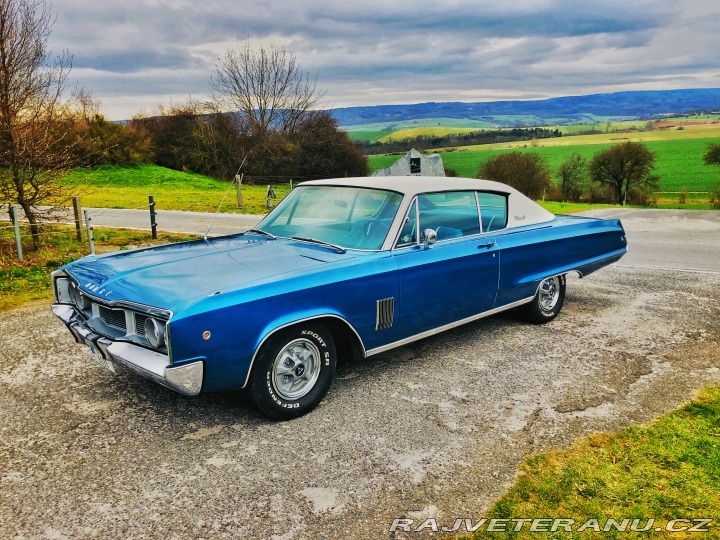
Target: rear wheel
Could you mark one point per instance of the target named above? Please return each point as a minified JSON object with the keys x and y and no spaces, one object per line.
{"x":293,"y":371}
{"x":548,"y":301}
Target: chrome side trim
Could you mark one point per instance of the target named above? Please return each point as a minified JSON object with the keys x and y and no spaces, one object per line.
{"x":448,"y":326}
{"x":293,"y":323}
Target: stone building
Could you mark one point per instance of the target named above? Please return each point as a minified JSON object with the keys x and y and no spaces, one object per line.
{"x":414,"y":164}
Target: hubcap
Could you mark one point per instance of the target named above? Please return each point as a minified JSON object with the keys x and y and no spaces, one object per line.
{"x":296,"y":369}
{"x":548,"y":293}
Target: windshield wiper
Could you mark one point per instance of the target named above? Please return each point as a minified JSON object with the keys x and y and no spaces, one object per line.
{"x":258,"y":231}
{"x":339,"y":249}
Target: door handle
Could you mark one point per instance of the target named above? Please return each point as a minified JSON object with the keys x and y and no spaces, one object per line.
{"x":488,"y":245}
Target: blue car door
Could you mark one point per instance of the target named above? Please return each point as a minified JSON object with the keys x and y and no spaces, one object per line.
{"x":453,"y":279}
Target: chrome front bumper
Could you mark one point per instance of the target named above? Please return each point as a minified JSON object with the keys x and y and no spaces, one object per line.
{"x":186,"y":379}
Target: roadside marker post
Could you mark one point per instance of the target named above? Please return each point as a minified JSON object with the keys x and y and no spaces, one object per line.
{"x":269,"y":196}
{"x":16,"y":227}
{"x":91,"y":240}
{"x":238,"y":183}
{"x":153,"y":224}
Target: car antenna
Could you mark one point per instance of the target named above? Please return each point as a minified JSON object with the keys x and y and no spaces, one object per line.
{"x":205,"y":236}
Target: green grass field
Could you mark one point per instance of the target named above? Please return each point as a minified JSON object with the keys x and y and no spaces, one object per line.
{"x":426,"y":131}
{"x":368,"y":135}
{"x":129,"y":187}
{"x":679,"y":160}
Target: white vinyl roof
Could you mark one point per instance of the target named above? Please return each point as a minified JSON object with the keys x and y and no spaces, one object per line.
{"x":522,"y":211}
{"x":414,"y":185}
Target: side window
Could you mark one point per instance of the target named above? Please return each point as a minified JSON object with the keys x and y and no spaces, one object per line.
{"x":408,"y":234}
{"x":493,"y":211}
{"x":451,"y":214}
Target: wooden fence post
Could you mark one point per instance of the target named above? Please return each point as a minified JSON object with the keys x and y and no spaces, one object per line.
{"x":78,"y":218}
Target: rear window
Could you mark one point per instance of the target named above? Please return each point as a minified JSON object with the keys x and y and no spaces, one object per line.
{"x":493,"y":211}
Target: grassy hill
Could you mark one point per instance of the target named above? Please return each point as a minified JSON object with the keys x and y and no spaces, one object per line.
{"x":129,"y":187}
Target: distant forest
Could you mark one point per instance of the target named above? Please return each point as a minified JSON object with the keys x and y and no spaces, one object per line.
{"x":425,"y":142}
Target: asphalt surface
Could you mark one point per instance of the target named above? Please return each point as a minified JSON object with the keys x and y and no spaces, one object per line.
{"x":434,"y":429}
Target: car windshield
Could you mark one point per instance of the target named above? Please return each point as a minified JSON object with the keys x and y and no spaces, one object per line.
{"x":346,"y":216}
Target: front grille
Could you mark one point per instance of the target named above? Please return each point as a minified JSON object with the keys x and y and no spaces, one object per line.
{"x":113,"y":317}
{"x":122,"y":323}
{"x":140,"y":324}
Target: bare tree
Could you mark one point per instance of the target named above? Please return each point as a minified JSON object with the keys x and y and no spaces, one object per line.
{"x":623,"y":167}
{"x":37,"y":127}
{"x":267,"y":86}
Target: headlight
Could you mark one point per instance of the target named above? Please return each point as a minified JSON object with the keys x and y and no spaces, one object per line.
{"x":78,"y":298}
{"x":154,"y":332}
{"x":62,"y":290}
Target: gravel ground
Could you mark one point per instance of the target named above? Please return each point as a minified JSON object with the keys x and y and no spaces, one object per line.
{"x":434,"y":429}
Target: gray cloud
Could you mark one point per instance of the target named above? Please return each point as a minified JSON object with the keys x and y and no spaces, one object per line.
{"x":145,"y":52}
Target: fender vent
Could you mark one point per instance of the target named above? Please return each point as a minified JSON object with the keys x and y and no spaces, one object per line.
{"x":385,"y":309}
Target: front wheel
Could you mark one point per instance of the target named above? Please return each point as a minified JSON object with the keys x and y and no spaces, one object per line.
{"x":548,"y":301}
{"x":293,"y":371}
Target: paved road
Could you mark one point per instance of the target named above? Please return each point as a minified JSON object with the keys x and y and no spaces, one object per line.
{"x":434,"y":429}
{"x":683,"y":239}
{"x":171,"y":220}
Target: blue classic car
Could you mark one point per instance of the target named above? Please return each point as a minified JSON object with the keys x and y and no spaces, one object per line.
{"x":352,"y":266}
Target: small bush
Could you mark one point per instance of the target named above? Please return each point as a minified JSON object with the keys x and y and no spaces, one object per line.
{"x":600,"y":194}
{"x":682,"y":196}
{"x":640,"y":197}
{"x":525,"y":171}
{"x":714,"y":195}
{"x":554,"y":193}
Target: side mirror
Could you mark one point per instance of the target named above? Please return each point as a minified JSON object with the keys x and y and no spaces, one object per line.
{"x":429,"y":237}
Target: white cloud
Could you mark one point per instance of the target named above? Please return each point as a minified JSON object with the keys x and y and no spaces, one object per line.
{"x":140,"y":53}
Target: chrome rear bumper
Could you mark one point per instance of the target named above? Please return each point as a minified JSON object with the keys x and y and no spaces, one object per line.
{"x":186,"y":379}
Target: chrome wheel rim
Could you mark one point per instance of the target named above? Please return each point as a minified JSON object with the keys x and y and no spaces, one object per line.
{"x":548,"y":293}
{"x":296,"y":369}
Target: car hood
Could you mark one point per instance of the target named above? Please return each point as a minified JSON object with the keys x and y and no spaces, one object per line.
{"x":166,"y":276}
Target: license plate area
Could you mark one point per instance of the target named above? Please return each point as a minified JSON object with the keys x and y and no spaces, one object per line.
{"x":100,"y":359}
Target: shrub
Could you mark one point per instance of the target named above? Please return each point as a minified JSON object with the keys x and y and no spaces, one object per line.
{"x":600,"y":194}
{"x":526,"y":172}
{"x":682,"y":196}
{"x":640,"y":197}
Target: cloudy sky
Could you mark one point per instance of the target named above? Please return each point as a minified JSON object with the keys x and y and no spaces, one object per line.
{"x":137,"y":54}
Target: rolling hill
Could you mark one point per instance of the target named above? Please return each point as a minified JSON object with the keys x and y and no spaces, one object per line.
{"x":555,"y":111}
